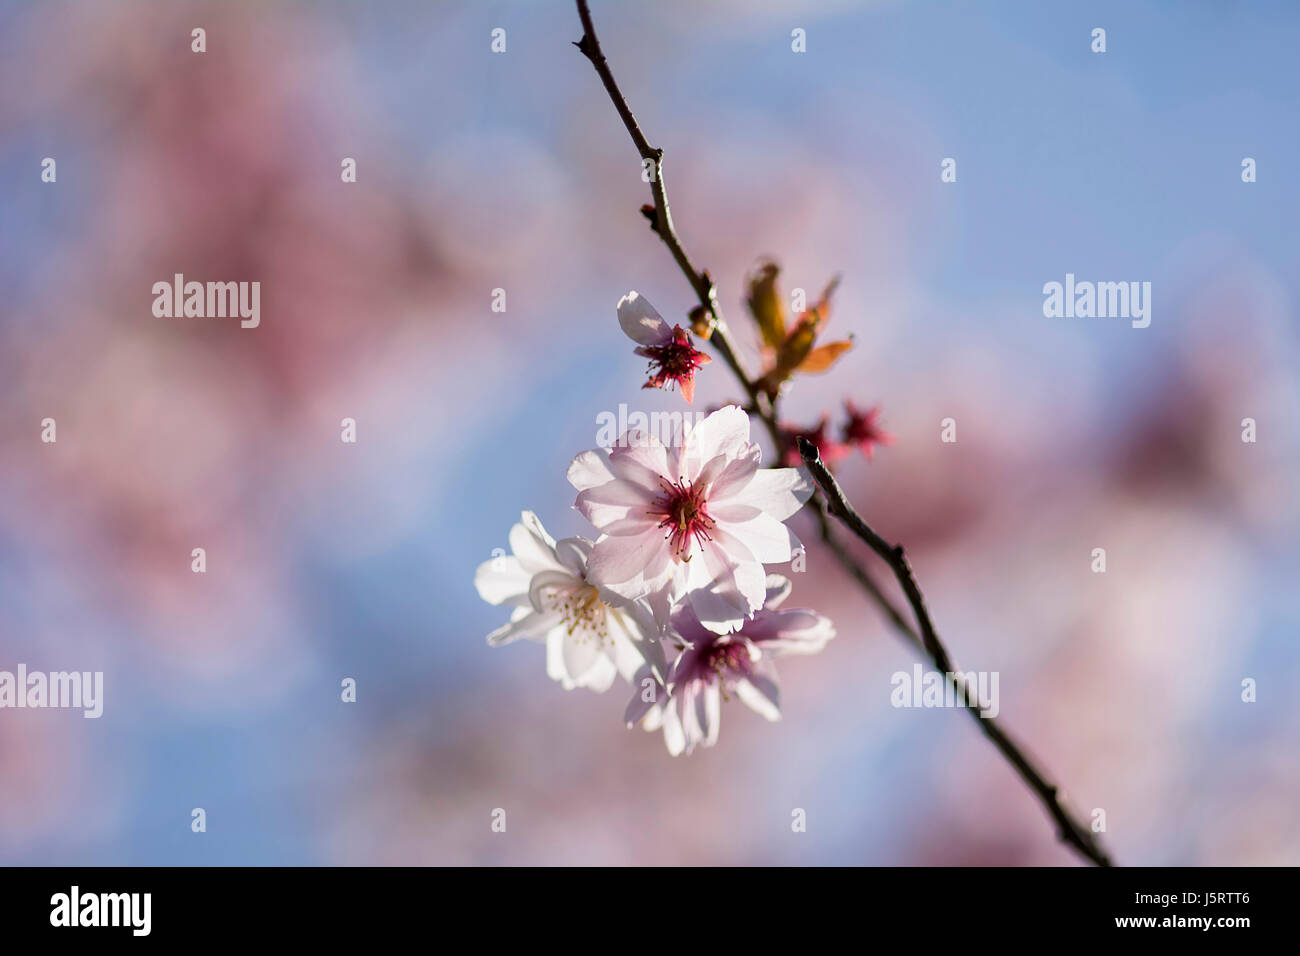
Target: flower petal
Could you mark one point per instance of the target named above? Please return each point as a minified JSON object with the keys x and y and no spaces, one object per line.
{"x":589,"y":469}
{"x":534,"y":548}
{"x":779,"y":491}
{"x":631,"y":567}
{"x":528,"y":624}
{"x":572,"y":554}
{"x":708,"y":713}
{"x":644,"y":685}
{"x":674,"y":734}
{"x":761,"y":695}
{"x":616,"y":501}
{"x":729,"y":586}
{"x":554,"y":582}
{"x":778,"y":589}
{"x":789,"y":632}
{"x":502,"y":580}
{"x":767,"y":539}
{"x":641,"y":322}
{"x":644,"y":461}
{"x":725,"y":433}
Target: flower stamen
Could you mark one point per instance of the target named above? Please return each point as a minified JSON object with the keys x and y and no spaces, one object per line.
{"x":682,"y":511}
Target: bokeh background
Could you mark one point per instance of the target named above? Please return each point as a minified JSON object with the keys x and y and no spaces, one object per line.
{"x":480,"y":171}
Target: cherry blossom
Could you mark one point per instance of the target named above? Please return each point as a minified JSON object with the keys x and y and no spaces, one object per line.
{"x":588,"y":641}
{"x":828,"y":448}
{"x":697,"y":520}
{"x":711,"y":667}
{"x":673,"y":357}
{"x":862,"y":430}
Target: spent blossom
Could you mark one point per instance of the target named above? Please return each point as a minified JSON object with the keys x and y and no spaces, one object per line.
{"x":673,"y":357}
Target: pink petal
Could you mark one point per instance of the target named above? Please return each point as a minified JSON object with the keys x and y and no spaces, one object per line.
{"x":631,"y":567}
{"x":766,"y":538}
{"x":615,"y":501}
{"x":790,"y":632}
{"x":645,"y":463}
{"x":725,"y":433}
{"x":778,"y":491}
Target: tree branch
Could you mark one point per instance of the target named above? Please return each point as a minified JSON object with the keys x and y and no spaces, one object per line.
{"x":1072,"y":832}
{"x":700,"y":281}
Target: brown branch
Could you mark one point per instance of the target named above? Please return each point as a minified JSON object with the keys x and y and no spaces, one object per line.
{"x":662,"y":224}
{"x":1072,"y":832}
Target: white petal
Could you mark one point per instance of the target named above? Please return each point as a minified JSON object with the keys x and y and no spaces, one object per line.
{"x":674,"y":735}
{"x":589,"y":469}
{"x":641,"y":322}
{"x":502,"y":580}
{"x":778,"y":491}
{"x":555,"y":668}
{"x":546,"y":584}
{"x":582,"y":654}
{"x":690,"y":717}
{"x":534,"y":526}
{"x":535,"y":552}
{"x":600,"y":676}
{"x":632,"y":650}
{"x":778,"y":589}
{"x":524,"y":623}
{"x":572,"y":554}
{"x":761,"y":695}
{"x":708,"y":712}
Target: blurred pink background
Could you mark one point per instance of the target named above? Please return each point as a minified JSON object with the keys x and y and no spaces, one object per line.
{"x":479,"y":171}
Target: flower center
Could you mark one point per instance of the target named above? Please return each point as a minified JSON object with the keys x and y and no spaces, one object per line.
{"x":683,"y":513}
{"x":582,"y":612}
{"x":726,"y":659}
{"x":676,"y":359}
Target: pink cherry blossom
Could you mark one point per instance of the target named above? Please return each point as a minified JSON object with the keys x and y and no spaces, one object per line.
{"x":828,"y":448}
{"x":588,"y":641}
{"x":673,"y":358}
{"x":862,"y":430}
{"x":712,"y":667}
{"x":697,"y":520}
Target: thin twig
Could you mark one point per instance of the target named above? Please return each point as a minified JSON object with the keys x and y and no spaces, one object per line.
{"x":1072,"y":832}
{"x":700,"y":281}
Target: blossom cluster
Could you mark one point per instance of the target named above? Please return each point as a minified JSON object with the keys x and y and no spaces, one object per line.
{"x":673,"y":594}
